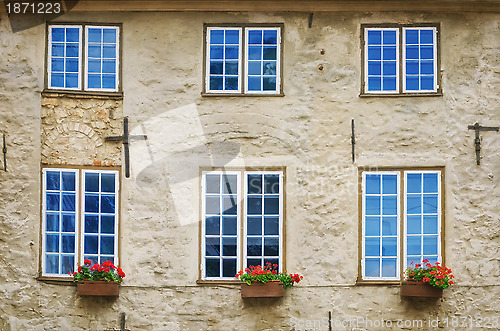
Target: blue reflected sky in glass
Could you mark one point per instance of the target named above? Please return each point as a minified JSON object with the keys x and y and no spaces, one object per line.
{"x":420,"y":47}
{"x":381,"y":53}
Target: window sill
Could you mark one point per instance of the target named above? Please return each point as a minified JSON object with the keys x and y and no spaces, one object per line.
{"x":377,"y":283}
{"x":82,"y":94}
{"x":203,"y":282}
{"x":204,"y":94}
{"x":399,"y":95}
{"x":55,"y":280}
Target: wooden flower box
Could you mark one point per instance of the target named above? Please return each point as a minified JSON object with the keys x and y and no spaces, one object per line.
{"x":420,"y":289}
{"x":271,"y":289}
{"x":97,"y":288}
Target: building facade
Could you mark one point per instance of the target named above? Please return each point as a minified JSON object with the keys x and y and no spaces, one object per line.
{"x":328,"y":138}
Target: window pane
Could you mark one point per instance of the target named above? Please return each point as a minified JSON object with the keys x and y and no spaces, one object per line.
{"x":270,"y":53}
{"x":430,"y":203}
{"x":270,"y":37}
{"x":389,"y":246}
{"x":254,"y":225}
{"x":271,"y":225}
{"x":212,"y":183}
{"x":231,"y":53}
{"x":374,"y":53}
{"x":372,"y":247}
{"x":107,"y":203}
{"x":271,"y":246}
{"x":254,"y":83}
{"x":68,"y":202}
{"x":430,"y":245}
{"x":216,"y":83}
{"x":230,"y":183}
{"x":108,"y":224}
{"x":390,"y":68}
{"x":58,"y":34}
{"x":372,"y":184}
{"x":53,"y":201}
{"x":255,"y":37}
{"x":372,"y":205}
{"x":389,"y":37}
{"x":213,"y":205}
{"x":52,"y":243}
{"x":212,"y":267}
{"x":372,"y":267}
{"x":389,"y":53}
{"x":389,"y":267}
{"x":68,"y":181}
{"x":229,"y":226}
{"x":374,"y":37}
{"x":255,"y":205}
{"x":271,"y":205}
{"x":372,"y":226}
{"x":414,"y":204}
{"x":389,"y":184}
{"x":374,"y":83}
{"x":71,"y":80}
{"x":414,"y":183}
{"x":230,"y":205}
{"x":231,"y":83}
{"x":109,"y":81}
{"x":67,"y":264}
{"x":52,"y":264}
{"x":272,"y":184}
{"x":212,"y":225}
{"x":216,"y":36}
{"x":254,"y":246}
{"x":58,"y":65}
{"x":109,"y":51}
{"x":92,"y":203}
{"x":229,"y":246}
{"x":232,"y":37}
{"x":389,"y":205}
{"x":52,"y":222}
{"x":374,"y":68}
{"x":68,"y":222}
{"x":94,"y":35}
{"x":107,"y":245}
{"x":212,"y":246}
{"x":228,"y":267}
{"x":413,"y":224}
{"x":427,"y":83}
{"x":389,"y":226}
{"x":91,"y":224}
{"x":68,"y":243}
{"x":254,"y":262}
{"x":269,"y":83}
{"x":90,"y":245}
{"x":57,"y":50}
{"x":411,"y":36}
{"x":430,"y":224}
{"x":414,"y":245}
{"x":91,"y":182}
{"x":109,"y":35}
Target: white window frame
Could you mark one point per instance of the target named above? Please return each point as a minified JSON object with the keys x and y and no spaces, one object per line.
{"x":207,"y":60}
{"x":278,"y":59}
{"x":82,"y":212}
{"x":83,"y":57}
{"x":435,"y":60}
{"x":79,"y":215}
{"x":203,"y":225}
{"x":49,"y":57}
{"x":398,"y":258}
{"x":241,"y":219}
{"x":439,"y":214}
{"x":243,"y":57}
{"x":365,"y":60}
{"x":44,"y":219}
{"x":245,"y":214}
{"x":117,"y":56}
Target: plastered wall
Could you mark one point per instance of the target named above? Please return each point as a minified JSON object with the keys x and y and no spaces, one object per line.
{"x":307,"y":131}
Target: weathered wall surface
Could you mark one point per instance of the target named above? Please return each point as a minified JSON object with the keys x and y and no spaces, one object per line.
{"x":307,"y":130}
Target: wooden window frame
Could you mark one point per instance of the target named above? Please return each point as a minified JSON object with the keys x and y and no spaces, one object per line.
{"x":79,"y":216}
{"x":82,"y":70}
{"x":242,"y":231}
{"x":401,"y":63}
{"x":401,"y":253}
{"x":242,"y":74}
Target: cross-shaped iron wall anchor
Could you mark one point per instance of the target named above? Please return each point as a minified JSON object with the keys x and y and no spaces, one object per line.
{"x":477,"y":141}
{"x":126,"y":141}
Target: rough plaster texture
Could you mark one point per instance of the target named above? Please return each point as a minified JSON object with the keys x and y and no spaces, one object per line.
{"x":307,"y":130}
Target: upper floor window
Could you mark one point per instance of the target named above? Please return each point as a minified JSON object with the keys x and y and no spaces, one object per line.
{"x":83,"y":57}
{"x":384,"y":193}
{"x":243,"y":60}
{"x":242,"y":221}
{"x":79,"y":218}
{"x":399,"y":59}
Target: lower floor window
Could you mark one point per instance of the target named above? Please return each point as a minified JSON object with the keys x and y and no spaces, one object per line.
{"x":242,"y":221}
{"x":400,"y":204}
{"x":79,"y":218}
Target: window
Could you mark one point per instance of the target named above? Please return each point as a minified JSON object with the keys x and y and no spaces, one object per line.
{"x":383,"y":223}
{"x":400,"y":59}
{"x":242,"y":221}
{"x":79,"y":218}
{"x":88,"y":49}
{"x":243,"y":60}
